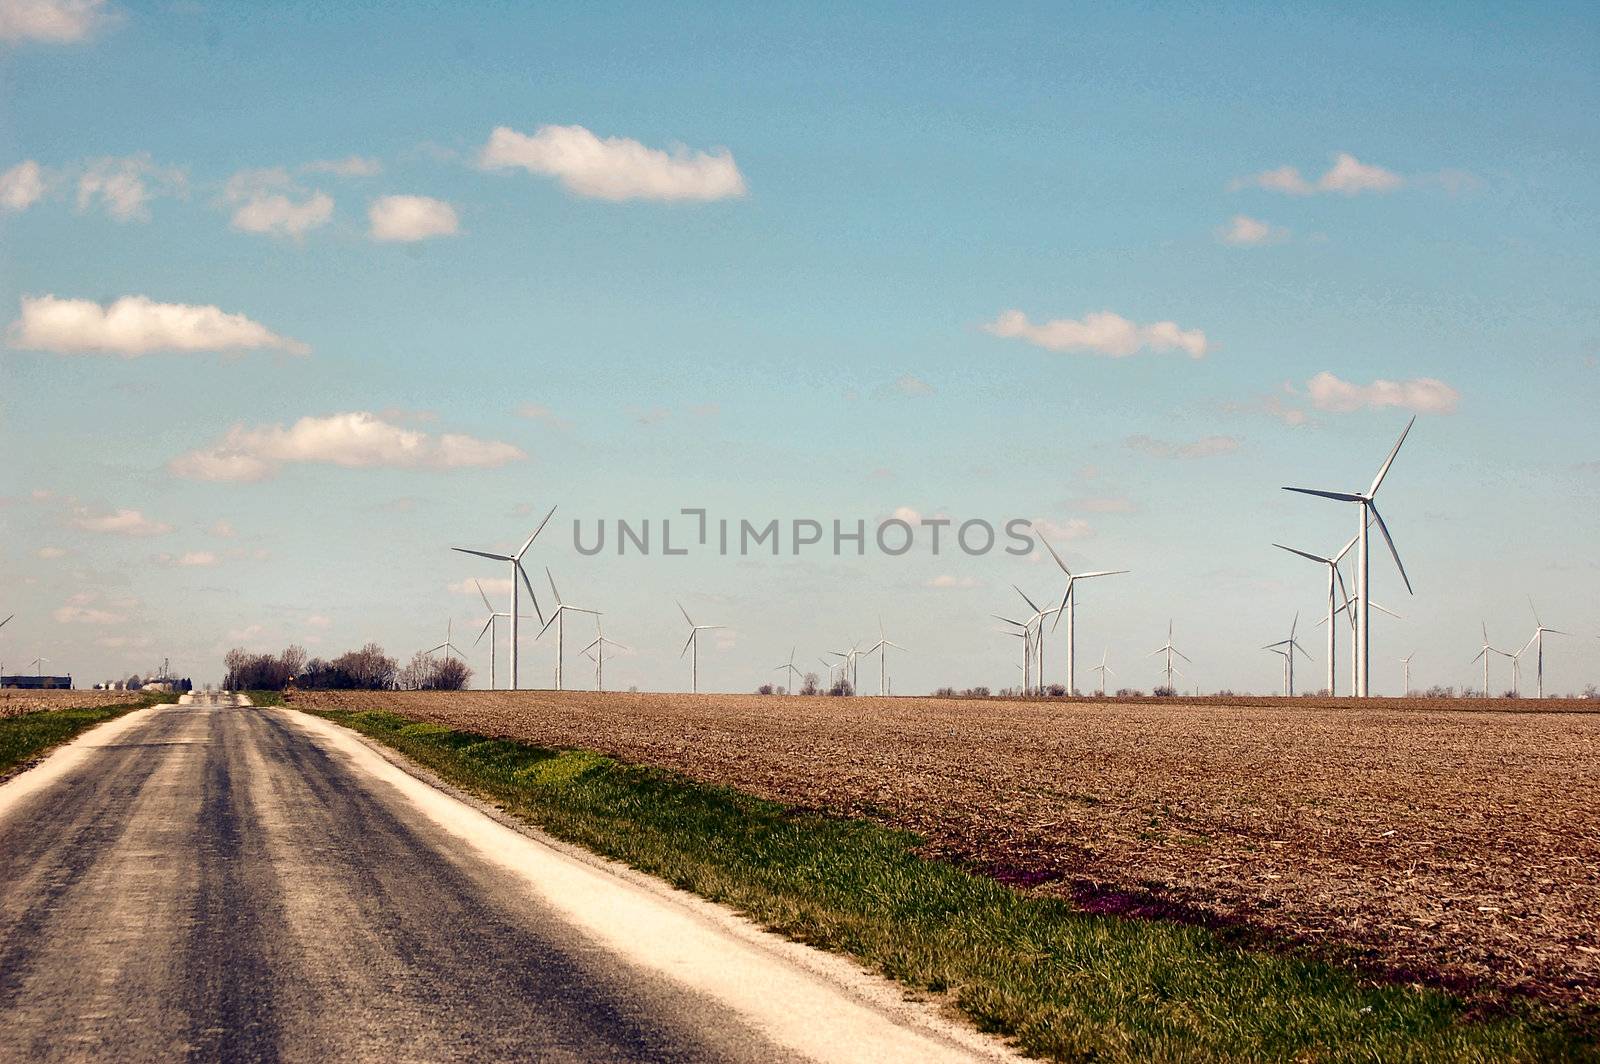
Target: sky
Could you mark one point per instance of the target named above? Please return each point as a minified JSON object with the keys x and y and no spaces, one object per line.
{"x":296,"y":297}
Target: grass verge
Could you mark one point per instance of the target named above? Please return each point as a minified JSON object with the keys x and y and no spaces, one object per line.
{"x":29,"y":736}
{"x":1063,"y":984}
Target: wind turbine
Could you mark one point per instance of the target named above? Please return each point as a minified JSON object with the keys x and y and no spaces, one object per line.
{"x":692,"y":647}
{"x":1537,"y":642}
{"x":1483,"y":653}
{"x":881,"y":648}
{"x":1170,"y":650}
{"x":1405,"y":685}
{"x":832,"y":668}
{"x":1349,"y":609}
{"x":492,"y":628}
{"x":447,"y":646}
{"x":851,"y":664}
{"x":1334,"y":575}
{"x":1289,"y":646}
{"x":1368,"y":513}
{"x":39,"y":664}
{"x":1069,"y":607}
{"x":1036,"y":622}
{"x":558,"y":618}
{"x":1023,"y":633}
{"x":598,"y":647}
{"x":517,"y":571}
{"x":792,"y":671}
{"x":1102,"y":669}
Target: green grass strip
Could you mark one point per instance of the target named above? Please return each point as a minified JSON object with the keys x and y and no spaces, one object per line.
{"x":1064,"y":984}
{"x":31,"y":735}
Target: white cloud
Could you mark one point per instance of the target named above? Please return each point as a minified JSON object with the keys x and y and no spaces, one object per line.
{"x":50,"y":553}
{"x":408,"y":218}
{"x":906,"y":514}
{"x":1100,"y":333}
{"x":946,"y":580}
{"x":543,"y":414}
{"x":136,"y":325}
{"x":268,"y":201}
{"x":1074,"y":528}
{"x":1105,"y":505}
{"x":615,"y":168}
{"x":124,"y":186}
{"x":56,"y":21}
{"x":1423,"y":395}
{"x":1205,"y":447}
{"x":349,"y":166}
{"x":125,"y":642}
{"x":249,"y":631}
{"x":223,"y":529}
{"x":124,"y":522}
{"x":492,"y":586}
{"x":21,"y":186}
{"x":1348,"y":176}
{"x":196,"y":559}
{"x":355,"y":440}
{"x":1245,"y":231}
{"x":317,"y":620}
{"x":86,"y":615}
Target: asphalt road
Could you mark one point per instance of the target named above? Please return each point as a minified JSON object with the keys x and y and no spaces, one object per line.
{"x":227,"y":883}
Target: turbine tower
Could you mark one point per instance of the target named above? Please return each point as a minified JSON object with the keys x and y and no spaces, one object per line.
{"x":597,"y":652}
{"x":789,"y":668}
{"x":1483,"y":653}
{"x":1102,"y":669}
{"x":1025,"y":633}
{"x":517,"y":571}
{"x":692,"y":647}
{"x":1069,"y":607}
{"x":1289,"y":646}
{"x":1367,"y":505}
{"x":491,"y":627}
{"x":881,"y":648}
{"x":558,"y":618}
{"x":1036,"y":622}
{"x":1335,"y":582}
{"x":1405,"y":684}
{"x":1537,"y":642}
{"x":1170,"y":650}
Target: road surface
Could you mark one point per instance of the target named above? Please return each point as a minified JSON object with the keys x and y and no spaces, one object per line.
{"x":227,"y":883}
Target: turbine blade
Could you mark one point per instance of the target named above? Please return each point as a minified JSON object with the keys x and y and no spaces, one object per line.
{"x":552,"y":580}
{"x":685,"y":616}
{"x":536,"y":532}
{"x":1061,"y":564}
{"x":529,"y":585}
{"x":1345,"y":549}
{"x":1065,"y":595}
{"x":1102,"y":572}
{"x":6,"y":621}
{"x":481,"y":595}
{"x":1537,"y":623}
{"x":485,"y":631}
{"x":686,"y":642}
{"x":551,"y":621}
{"x":1031,"y":604}
{"x":1302,"y":553}
{"x":1182,"y":655}
{"x":1385,"y":609}
{"x":1341,"y":496}
{"x":1007,"y":620}
{"x":1383,"y":472}
{"x":484,"y":554}
{"x":1386,"y":538}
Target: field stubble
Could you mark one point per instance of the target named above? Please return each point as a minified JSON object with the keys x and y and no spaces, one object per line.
{"x":14,"y":703}
{"x":1459,"y":848}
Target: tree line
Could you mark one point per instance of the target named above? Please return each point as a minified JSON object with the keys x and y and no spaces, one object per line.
{"x":367,"y":669}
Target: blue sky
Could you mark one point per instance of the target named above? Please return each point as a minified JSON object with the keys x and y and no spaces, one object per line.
{"x":773,"y":289}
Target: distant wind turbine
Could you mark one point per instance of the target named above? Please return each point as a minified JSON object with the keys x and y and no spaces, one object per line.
{"x":517,"y":572}
{"x":1170,"y":650}
{"x":692,"y":647}
{"x":1368,"y":514}
{"x":792,"y":672}
{"x":1334,"y":576}
{"x":1069,"y":608}
{"x":1036,"y":623}
{"x":492,"y":628}
{"x":1483,"y":655}
{"x":881,"y":648}
{"x":1288,"y":648}
{"x":597,"y":650}
{"x":558,"y":618}
{"x":1102,"y":669}
{"x":39,"y":664}
{"x":1405,"y":684}
{"x":1537,"y":642}
{"x":447,"y":646}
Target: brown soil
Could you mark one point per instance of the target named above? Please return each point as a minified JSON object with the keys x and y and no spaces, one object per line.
{"x":1451,"y":841}
{"x":14,"y":703}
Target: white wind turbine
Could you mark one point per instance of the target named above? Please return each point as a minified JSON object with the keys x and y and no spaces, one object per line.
{"x":558,"y":618}
{"x":1036,"y":622}
{"x":1368,"y":514}
{"x":1405,"y":684}
{"x":1069,"y":608}
{"x":1334,"y":577}
{"x":692,"y":647}
{"x":39,"y":664}
{"x":1103,"y":669}
{"x":1170,"y":650}
{"x":788,"y":667}
{"x":833,"y":667}
{"x":447,"y":646}
{"x":852,"y":665}
{"x":1537,"y":642}
{"x":1349,"y":609}
{"x":881,"y":648}
{"x":1289,"y":646}
{"x":1483,"y":654}
{"x":1025,"y":633}
{"x":491,"y":627}
{"x":597,"y":652}
{"x":517,"y":571}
